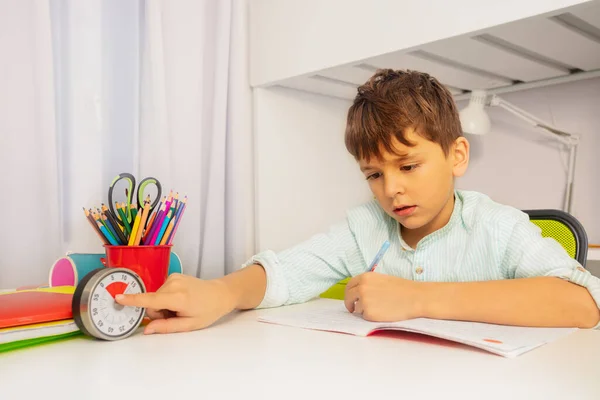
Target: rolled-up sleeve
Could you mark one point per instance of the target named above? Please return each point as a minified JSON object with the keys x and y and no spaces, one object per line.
{"x":304,"y":271}
{"x":529,"y":254}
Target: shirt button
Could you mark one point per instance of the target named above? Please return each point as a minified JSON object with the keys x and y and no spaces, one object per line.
{"x":419,"y":270}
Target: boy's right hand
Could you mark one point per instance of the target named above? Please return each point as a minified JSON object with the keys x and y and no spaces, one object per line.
{"x":183,"y":303}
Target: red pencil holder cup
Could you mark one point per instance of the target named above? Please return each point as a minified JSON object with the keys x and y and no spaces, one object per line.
{"x":151,"y":263}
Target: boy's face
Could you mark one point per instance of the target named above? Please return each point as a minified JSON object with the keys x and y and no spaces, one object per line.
{"x":416,"y":185}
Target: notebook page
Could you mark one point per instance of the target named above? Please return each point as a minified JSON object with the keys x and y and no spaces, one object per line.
{"x":495,"y":336}
{"x":499,"y":339}
{"x":329,"y":316}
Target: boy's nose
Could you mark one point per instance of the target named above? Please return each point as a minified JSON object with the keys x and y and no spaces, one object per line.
{"x":394,"y":186}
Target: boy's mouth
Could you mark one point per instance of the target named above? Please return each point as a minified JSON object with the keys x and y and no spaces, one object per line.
{"x":404,"y":211}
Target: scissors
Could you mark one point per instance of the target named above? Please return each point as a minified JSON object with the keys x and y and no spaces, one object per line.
{"x":139,"y":194}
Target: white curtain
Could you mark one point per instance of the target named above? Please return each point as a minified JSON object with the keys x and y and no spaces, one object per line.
{"x":154,"y":88}
{"x":29,"y":194}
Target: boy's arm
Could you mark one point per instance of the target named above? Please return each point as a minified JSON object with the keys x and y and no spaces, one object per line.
{"x":538,"y":301}
{"x":302,"y":272}
{"x":246,"y":287}
{"x":546,"y":287}
{"x":268,"y":279}
{"x":187,"y":303}
{"x":296,"y":274}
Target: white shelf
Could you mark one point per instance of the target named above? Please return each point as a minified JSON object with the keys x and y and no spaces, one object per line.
{"x":546,"y":44}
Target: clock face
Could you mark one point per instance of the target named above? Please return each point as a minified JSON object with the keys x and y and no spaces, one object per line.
{"x":108,"y":316}
{"x":97,"y":312}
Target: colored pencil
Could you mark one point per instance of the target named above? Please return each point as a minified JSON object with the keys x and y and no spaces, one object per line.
{"x":98,"y":217}
{"x":154,"y":237}
{"x":153,"y":216}
{"x":134,"y":211}
{"x":175,"y":202}
{"x":148,"y":227}
{"x":163,"y":228}
{"x":107,"y":234}
{"x":144,"y":213}
{"x":116,"y":227}
{"x":155,"y":227}
{"x":165,"y":237}
{"x":379,"y":255}
{"x":134,"y":230}
{"x":110,"y":215}
{"x":176,"y":218}
{"x":121,"y":211}
{"x":112,"y":229}
{"x":92,"y":222}
{"x":182,"y":209}
{"x":111,"y":238}
{"x":134,"y":224}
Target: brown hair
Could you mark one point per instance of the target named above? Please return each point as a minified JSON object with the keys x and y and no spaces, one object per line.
{"x":392,"y":101}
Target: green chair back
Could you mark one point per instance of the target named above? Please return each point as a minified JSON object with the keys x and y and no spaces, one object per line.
{"x":565,"y":229}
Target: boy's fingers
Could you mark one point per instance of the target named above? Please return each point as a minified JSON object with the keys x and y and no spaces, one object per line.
{"x":156,"y":301}
{"x":358,"y":308}
{"x":158,"y":314}
{"x":354,"y":281}
{"x":170,"y":325}
{"x":351,"y":283}
{"x":350,"y":298}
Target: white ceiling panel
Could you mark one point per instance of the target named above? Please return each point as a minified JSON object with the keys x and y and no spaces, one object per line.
{"x":533,"y":51}
{"x":590,"y":13}
{"x":321,"y":86}
{"x":358,"y":75}
{"x":490,"y":58}
{"x":453,"y":76}
{"x":354,"y":75}
{"x":552,"y":40}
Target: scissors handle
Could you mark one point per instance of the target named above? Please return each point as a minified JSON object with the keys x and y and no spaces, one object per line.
{"x":140,"y":192}
{"x":131,"y":179}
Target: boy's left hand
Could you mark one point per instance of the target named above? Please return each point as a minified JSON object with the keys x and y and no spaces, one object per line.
{"x":380,"y":297}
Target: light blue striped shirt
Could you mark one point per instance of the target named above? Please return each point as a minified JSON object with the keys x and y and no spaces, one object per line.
{"x":483,"y":240}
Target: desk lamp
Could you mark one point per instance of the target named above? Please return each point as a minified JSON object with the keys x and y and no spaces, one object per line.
{"x":475,"y":120}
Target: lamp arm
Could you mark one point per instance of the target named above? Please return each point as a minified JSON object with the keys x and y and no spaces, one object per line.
{"x":569,"y":139}
{"x":566,"y":138}
{"x":568,"y":199}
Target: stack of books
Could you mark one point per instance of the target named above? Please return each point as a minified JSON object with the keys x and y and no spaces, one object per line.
{"x":33,"y":316}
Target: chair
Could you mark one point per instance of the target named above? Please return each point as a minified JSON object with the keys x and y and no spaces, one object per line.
{"x":565,"y":229}
{"x":559,"y":225}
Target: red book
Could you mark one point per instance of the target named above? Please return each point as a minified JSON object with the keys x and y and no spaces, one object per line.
{"x":25,"y":307}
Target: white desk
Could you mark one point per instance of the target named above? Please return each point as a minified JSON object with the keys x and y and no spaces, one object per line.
{"x":241,"y":357}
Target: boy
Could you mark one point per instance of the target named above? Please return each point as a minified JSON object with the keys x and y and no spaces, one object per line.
{"x":453,"y":255}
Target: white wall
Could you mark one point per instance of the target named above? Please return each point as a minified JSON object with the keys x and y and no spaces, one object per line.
{"x":517,"y":166}
{"x":306,"y":179}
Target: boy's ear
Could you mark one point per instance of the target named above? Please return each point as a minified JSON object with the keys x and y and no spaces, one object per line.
{"x":460,"y":156}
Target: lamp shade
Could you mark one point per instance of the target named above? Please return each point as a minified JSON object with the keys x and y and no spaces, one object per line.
{"x":473,"y":118}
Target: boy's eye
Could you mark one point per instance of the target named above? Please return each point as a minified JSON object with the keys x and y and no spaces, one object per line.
{"x":373,"y":176}
{"x":409,"y":167}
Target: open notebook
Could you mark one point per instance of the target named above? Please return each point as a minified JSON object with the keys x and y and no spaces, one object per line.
{"x":331,"y":315}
